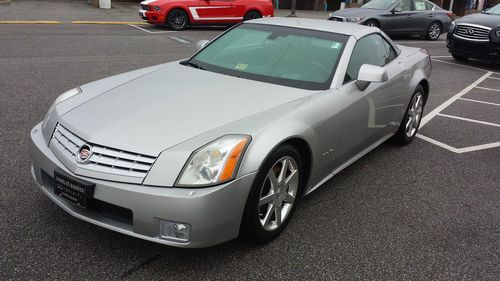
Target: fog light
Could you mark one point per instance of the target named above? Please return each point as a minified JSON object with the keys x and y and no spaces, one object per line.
{"x":174,"y":231}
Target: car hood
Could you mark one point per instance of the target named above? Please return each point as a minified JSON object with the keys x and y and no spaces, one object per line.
{"x":357,"y":12}
{"x":170,"y":105}
{"x":481,"y":19}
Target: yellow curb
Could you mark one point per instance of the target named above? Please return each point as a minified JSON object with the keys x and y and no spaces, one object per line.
{"x":107,"y":22}
{"x":29,"y":22}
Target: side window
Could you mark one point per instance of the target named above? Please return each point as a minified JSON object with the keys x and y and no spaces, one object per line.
{"x":372,"y":49}
{"x":405,"y":5}
{"x":421,"y":5}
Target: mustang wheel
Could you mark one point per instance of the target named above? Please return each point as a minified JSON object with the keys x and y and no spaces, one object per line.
{"x":177,"y":20}
{"x":274,"y":195}
{"x":409,"y":127}
{"x":433,"y":31}
{"x":252,"y":15}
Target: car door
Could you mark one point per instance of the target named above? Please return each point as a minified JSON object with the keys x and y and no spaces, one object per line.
{"x":397,"y":22}
{"x":423,"y":16}
{"x":214,"y":10}
{"x":371,"y":114}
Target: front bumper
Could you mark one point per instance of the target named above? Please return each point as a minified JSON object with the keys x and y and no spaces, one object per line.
{"x":214,"y":213}
{"x":153,"y":17}
{"x":473,"y":49}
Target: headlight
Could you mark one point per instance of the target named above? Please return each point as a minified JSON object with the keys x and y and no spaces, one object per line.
{"x":498,"y":33}
{"x":214,"y":163}
{"x":356,"y":19}
{"x":452,"y":26}
{"x":59,"y":99}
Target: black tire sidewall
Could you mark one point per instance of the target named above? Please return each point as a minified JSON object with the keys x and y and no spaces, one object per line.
{"x":169,"y":19}
{"x":251,"y":228}
{"x":246,"y":17}
{"x":400,"y":136}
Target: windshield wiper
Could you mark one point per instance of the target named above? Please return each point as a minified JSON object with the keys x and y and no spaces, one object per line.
{"x":192,"y":64}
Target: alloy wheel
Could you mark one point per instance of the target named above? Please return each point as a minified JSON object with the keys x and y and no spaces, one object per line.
{"x":278,"y":193}
{"x":414,"y":114}
{"x":434,"y":31}
{"x":178,"y":20}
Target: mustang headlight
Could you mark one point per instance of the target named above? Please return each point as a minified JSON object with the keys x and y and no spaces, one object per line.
{"x":59,"y":99}
{"x":214,"y":163}
{"x":355,"y":19}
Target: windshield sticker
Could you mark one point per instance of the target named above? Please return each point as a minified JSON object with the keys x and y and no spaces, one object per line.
{"x":241,"y":66}
{"x":335,"y":45}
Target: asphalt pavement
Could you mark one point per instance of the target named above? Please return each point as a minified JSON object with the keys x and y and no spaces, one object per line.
{"x":426,"y":211}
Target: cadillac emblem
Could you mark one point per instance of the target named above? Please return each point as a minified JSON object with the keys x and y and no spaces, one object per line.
{"x":84,"y":154}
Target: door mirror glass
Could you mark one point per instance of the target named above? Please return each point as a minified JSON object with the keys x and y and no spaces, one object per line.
{"x":397,"y":10}
{"x":201,"y":44}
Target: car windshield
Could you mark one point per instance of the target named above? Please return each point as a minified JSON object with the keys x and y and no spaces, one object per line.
{"x":495,"y":10}
{"x":379,"y":4}
{"x":294,"y":57}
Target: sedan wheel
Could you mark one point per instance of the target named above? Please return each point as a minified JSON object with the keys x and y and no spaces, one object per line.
{"x":371,"y":23}
{"x":434,"y":31}
{"x":411,"y":121}
{"x":252,"y":15}
{"x":274,"y":195}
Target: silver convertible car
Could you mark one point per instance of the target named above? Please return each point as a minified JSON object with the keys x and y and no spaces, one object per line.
{"x":196,"y":152}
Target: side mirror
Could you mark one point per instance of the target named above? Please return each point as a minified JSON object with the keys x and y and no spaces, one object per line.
{"x":397,"y":10}
{"x":371,"y":74}
{"x":201,"y":44}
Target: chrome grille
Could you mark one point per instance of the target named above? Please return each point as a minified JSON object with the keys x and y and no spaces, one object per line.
{"x":472,"y":32}
{"x":104,"y":159}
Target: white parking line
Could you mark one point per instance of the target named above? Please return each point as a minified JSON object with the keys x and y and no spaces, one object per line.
{"x":438,"y":57}
{"x":466,"y":66}
{"x":445,"y":104}
{"x":469,"y":120}
{"x":438,"y":143}
{"x":488,"y":89}
{"x":419,"y":42}
{"x":496,"y":78}
{"x":480,"y":101}
{"x":152,"y":32}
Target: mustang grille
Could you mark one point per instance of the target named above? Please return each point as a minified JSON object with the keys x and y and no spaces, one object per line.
{"x":472,"y":32}
{"x":104,"y":159}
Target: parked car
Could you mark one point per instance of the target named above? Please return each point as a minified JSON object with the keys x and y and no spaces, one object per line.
{"x":178,"y":14}
{"x":193,"y":153}
{"x":399,"y":17}
{"x":476,"y":36}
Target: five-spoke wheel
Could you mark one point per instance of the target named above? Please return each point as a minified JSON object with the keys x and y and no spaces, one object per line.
{"x":411,"y":121}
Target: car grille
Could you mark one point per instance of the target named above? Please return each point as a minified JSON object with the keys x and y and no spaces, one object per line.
{"x":472,"y":32}
{"x":104,"y":159}
{"x":145,"y":7}
{"x":337,"y":19}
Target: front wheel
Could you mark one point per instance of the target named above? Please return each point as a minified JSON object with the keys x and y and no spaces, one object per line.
{"x":252,"y":15}
{"x":411,"y":121}
{"x":371,"y":23}
{"x":177,"y":20}
{"x":459,"y":58}
{"x":274,"y":195}
{"x":433,"y":31}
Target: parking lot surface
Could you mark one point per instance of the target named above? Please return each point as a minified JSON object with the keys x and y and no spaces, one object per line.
{"x":426,"y":211}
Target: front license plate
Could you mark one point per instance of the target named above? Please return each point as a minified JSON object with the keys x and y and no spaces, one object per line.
{"x":73,"y":191}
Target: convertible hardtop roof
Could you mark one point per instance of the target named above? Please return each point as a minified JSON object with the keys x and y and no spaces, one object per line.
{"x":356,"y":30}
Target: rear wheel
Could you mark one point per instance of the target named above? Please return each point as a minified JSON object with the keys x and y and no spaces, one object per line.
{"x":433,"y":31}
{"x":252,"y":15}
{"x":274,"y":195}
{"x":177,"y":20}
{"x":371,"y":23}
{"x":459,"y":58}
{"x":409,"y":126}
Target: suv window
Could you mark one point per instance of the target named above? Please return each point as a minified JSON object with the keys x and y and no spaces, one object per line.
{"x":372,"y":49}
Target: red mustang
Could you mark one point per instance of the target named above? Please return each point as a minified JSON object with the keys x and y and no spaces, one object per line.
{"x":177,"y":14}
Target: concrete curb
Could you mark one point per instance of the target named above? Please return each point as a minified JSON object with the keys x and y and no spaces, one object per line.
{"x":2,"y":2}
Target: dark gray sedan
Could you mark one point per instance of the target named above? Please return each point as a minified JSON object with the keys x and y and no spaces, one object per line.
{"x":399,"y":17}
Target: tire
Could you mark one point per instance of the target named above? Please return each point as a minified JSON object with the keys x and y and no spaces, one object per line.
{"x":433,"y":31}
{"x":371,"y":23}
{"x":260,"y":222}
{"x":252,"y":15}
{"x":411,"y":121}
{"x":459,"y":58}
{"x":177,"y":20}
